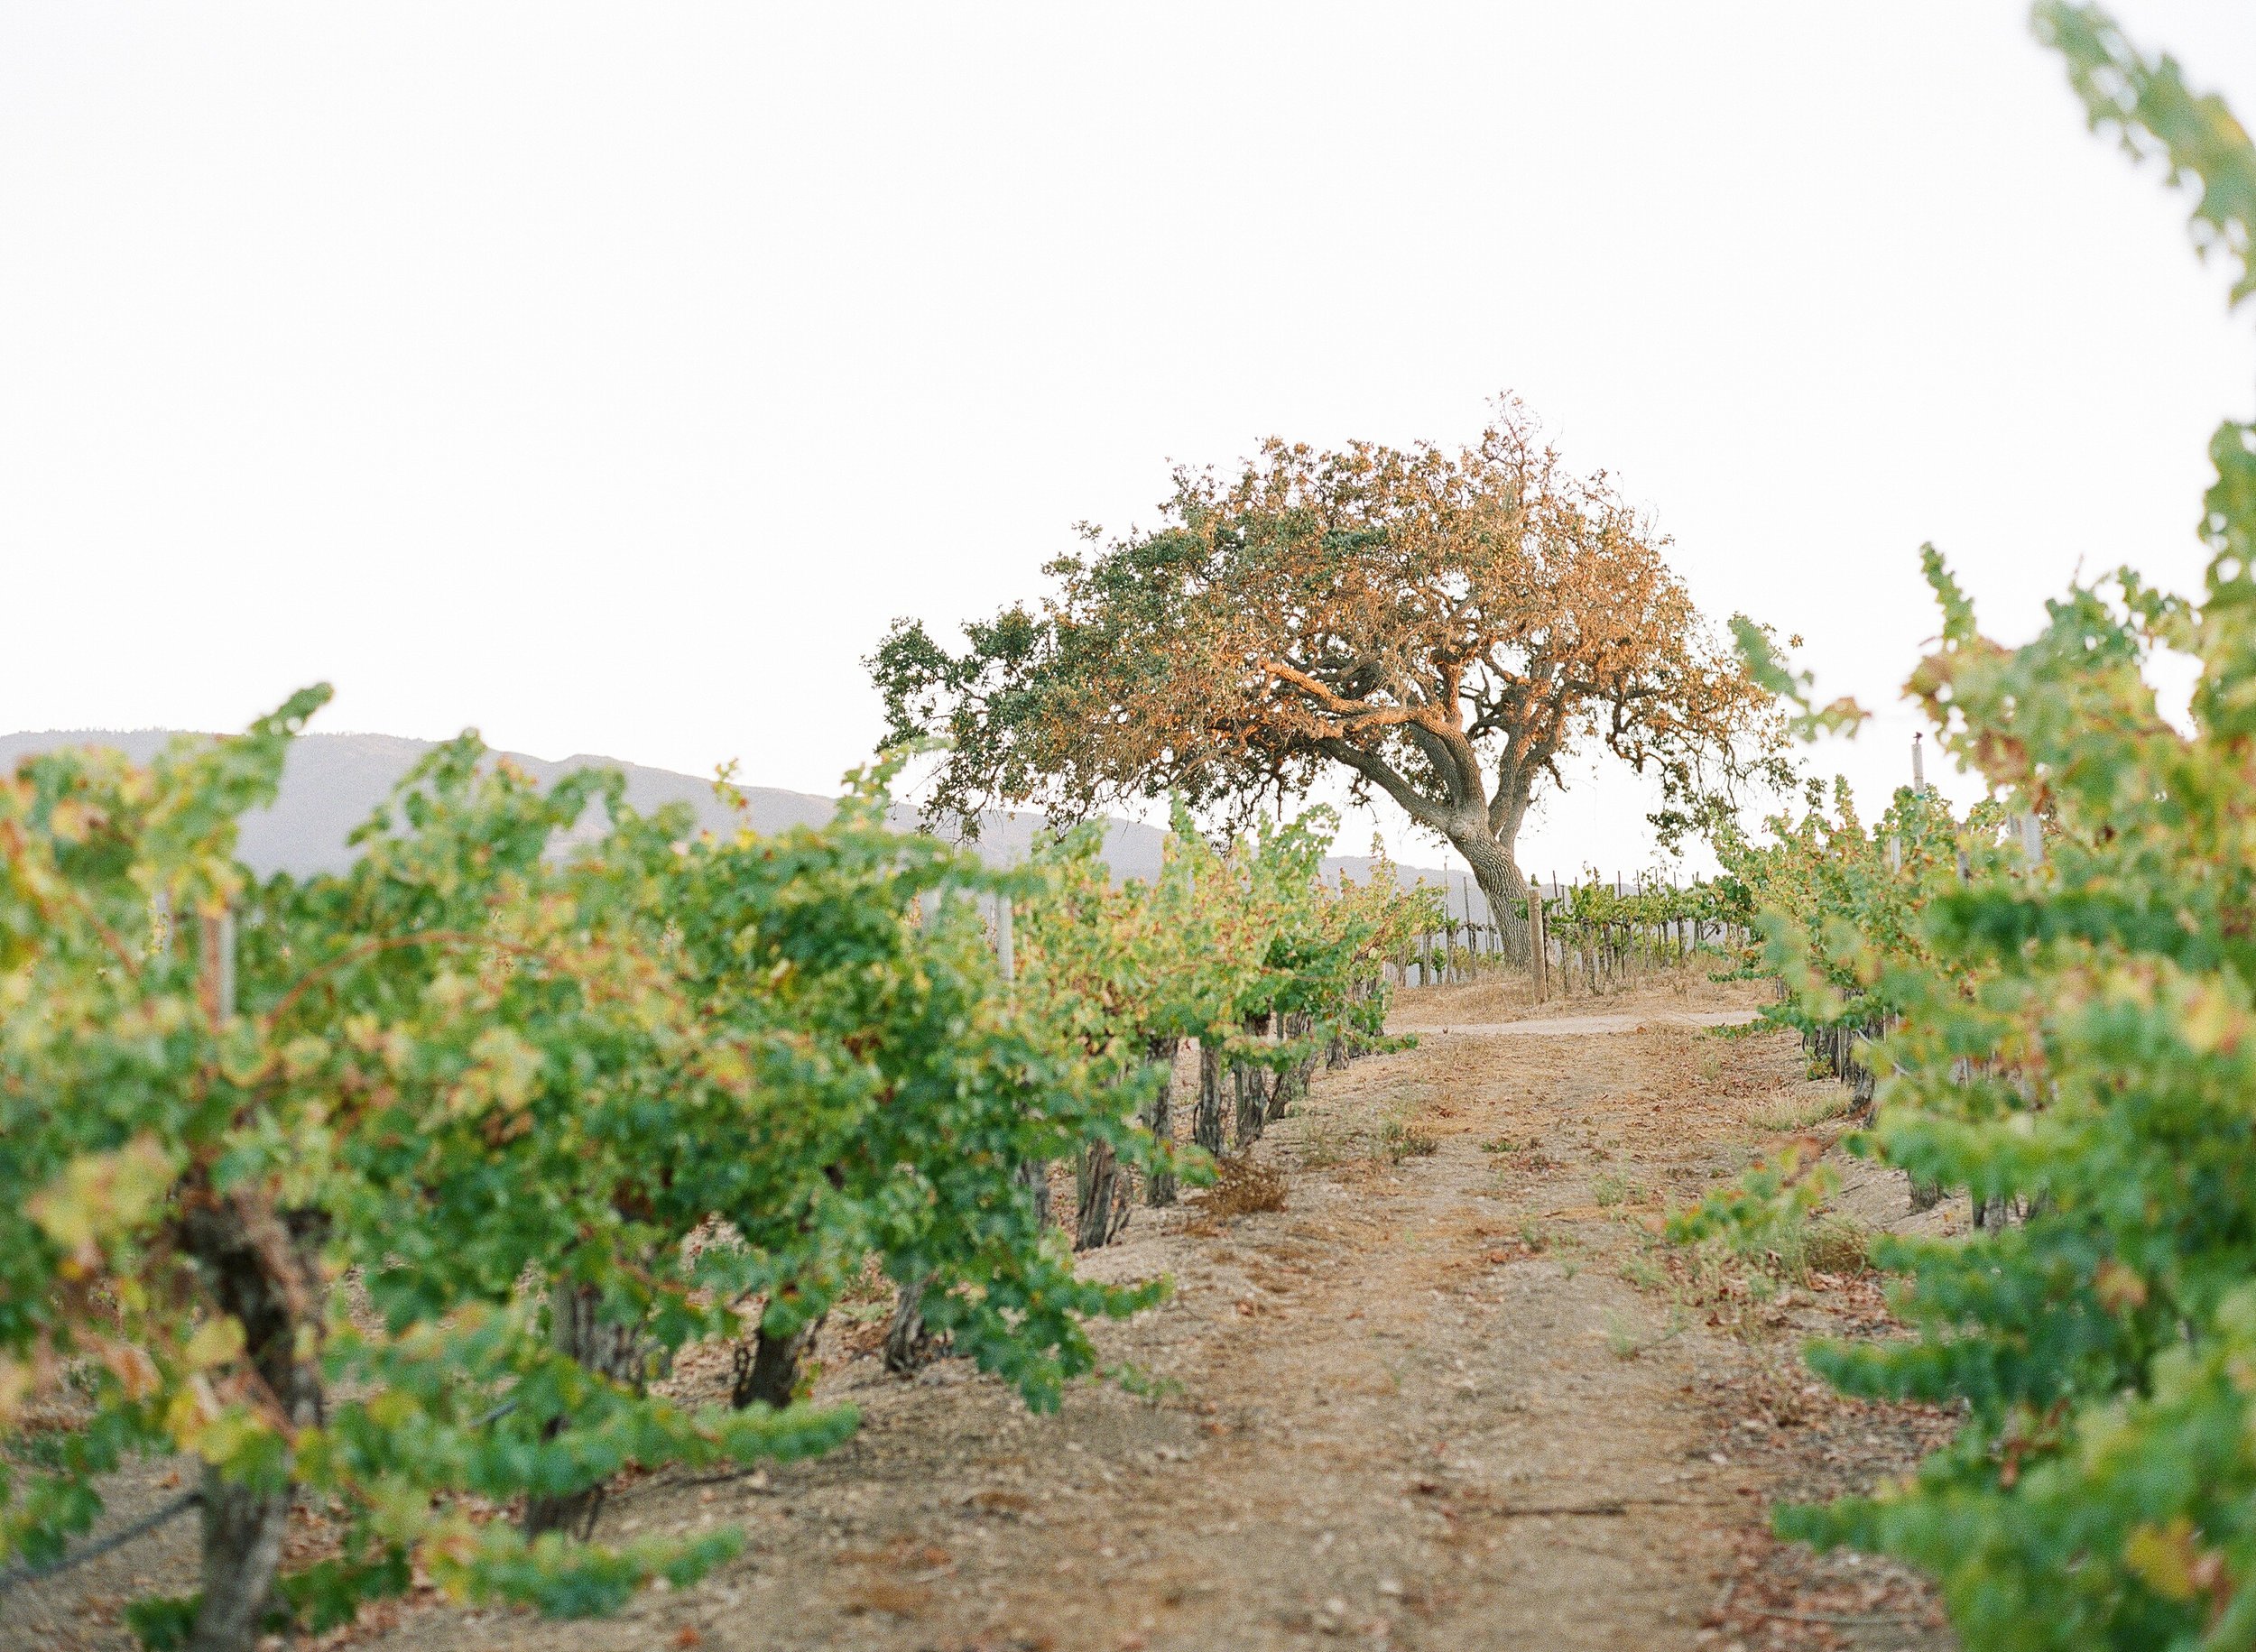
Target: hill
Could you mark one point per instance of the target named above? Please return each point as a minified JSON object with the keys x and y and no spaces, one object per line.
{"x":333,"y":782}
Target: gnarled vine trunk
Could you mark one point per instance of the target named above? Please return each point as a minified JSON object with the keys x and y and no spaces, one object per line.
{"x":1160,"y":1118}
{"x":1034,"y":1173}
{"x":1206,"y":1124}
{"x":1249,"y":1083}
{"x":909,"y":1345}
{"x":262,"y":1269}
{"x":1292,"y":1083}
{"x":768,"y":1371}
{"x":1102,"y":1204}
{"x":608,"y":1349}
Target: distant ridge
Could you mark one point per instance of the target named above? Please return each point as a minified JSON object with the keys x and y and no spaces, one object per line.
{"x":333,"y":782}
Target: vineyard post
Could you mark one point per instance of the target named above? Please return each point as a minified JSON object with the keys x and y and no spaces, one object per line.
{"x":1470,"y":937}
{"x":1566,"y":970}
{"x":1536,"y":959}
{"x":1465,"y":969}
{"x":1640,"y":933}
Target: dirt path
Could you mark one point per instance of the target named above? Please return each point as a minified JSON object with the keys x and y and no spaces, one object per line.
{"x":1421,"y":1405}
{"x":1577,"y":1026}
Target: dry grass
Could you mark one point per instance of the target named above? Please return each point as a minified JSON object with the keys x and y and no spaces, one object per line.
{"x":1784,"y":1113}
{"x":1403,"y":1140}
{"x":1836,"y":1245}
{"x":1509,"y":998}
{"x":1608,"y":1190}
{"x":1241,"y":1188}
{"x":884,"y":1595}
{"x":1500,"y":998}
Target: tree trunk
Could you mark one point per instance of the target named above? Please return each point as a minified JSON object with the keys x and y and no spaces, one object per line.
{"x":1160,"y":1117}
{"x":1035,"y":1174}
{"x":1251,"y":1083}
{"x":243,"y":1537}
{"x":1102,"y":1208}
{"x":1206,"y":1125}
{"x":1292,"y":1083}
{"x":1250,"y":1102}
{"x":1861,"y":1097}
{"x":611,"y":1351}
{"x":1249,"y":1090}
{"x":769,"y":1372}
{"x":908,"y":1346}
{"x":1498,"y":877}
{"x":262,"y":1269}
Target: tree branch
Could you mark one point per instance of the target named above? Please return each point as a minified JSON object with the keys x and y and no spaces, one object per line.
{"x":1380,"y":773}
{"x":1358,"y":715}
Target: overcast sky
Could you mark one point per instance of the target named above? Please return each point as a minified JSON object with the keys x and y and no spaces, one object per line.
{"x":608,"y":377}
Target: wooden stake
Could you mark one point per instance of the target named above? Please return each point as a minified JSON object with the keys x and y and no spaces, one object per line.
{"x":1536,"y":959}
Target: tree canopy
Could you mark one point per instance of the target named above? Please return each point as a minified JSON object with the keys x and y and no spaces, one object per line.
{"x":1447,"y":627}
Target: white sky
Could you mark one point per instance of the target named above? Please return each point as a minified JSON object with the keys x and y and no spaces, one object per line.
{"x":608,"y":377}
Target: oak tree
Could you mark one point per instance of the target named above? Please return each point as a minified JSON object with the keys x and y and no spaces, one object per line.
{"x":1449,"y":628}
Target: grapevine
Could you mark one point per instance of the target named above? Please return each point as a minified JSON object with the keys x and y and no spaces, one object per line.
{"x":557,"y":1089}
{"x":2064,"y":978}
